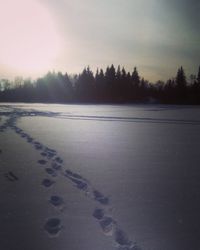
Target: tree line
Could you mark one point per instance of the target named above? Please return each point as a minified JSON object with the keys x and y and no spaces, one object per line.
{"x":109,"y":86}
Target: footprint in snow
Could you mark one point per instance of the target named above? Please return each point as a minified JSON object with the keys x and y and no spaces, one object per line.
{"x":43,"y":154}
{"x":53,"y":226}
{"x":18,"y":131}
{"x":42,"y":162}
{"x":74,"y":175}
{"x":50,"y":153}
{"x":122,"y":239}
{"x":51,"y":172}
{"x":50,"y":150}
{"x":100,"y":197}
{"x":107,"y":225}
{"x":23,"y":135}
{"x":57,"y":201}
{"x":56,"y":166}
{"x":78,"y":183}
{"x":98,"y":213}
{"x":38,"y":147}
{"x":11,"y":177}
{"x":47,"y":182}
{"x":29,"y":139}
{"x":59,"y":160}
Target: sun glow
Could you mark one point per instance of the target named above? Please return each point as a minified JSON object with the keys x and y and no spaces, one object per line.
{"x":29,"y":42}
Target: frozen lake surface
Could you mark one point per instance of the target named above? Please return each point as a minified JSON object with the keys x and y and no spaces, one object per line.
{"x":99,"y":177}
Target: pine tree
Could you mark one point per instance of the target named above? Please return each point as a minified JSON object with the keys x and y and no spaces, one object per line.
{"x":181,"y":78}
{"x":85,"y":85}
{"x":118,"y":74}
{"x":181,"y":86}
{"x":99,"y":77}
{"x":124,"y":75}
{"x":135,"y":78}
{"x":110,"y":74}
{"x":198,"y":77}
{"x":97,"y":74}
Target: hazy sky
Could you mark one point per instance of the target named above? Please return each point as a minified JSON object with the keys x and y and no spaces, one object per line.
{"x":157,"y":36}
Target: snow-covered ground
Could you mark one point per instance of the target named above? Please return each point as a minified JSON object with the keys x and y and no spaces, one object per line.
{"x":99,"y":177}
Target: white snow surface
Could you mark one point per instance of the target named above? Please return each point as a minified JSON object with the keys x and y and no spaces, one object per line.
{"x":99,"y":177}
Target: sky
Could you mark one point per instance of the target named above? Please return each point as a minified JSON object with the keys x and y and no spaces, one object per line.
{"x":156,"y":36}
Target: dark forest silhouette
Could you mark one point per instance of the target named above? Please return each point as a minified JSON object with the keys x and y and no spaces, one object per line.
{"x":111,"y":86}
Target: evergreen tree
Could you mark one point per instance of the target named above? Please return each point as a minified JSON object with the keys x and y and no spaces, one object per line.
{"x":110,"y":79}
{"x":101,"y":76}
{"x":135,"y":78}
{"x":124,"y":75}
{"x":110,"y":74}
{"x":97,"y":75}
{"x":101,"y":86}
{"x":198,"y":77}
{"x":181,"y":78}
{"x":118,"y":74}
{"x":181,"y":86}
{"x":85,"y":85}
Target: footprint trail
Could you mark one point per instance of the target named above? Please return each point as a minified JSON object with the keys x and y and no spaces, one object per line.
{"x":53,"y":165}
